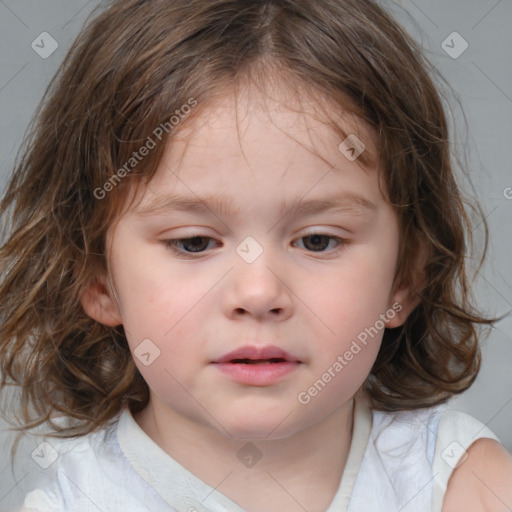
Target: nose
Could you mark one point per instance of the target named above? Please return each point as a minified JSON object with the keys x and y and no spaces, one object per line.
{"x":259,"y":290}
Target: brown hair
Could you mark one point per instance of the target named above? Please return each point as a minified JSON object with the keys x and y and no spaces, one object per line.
{"x":135,"y":65}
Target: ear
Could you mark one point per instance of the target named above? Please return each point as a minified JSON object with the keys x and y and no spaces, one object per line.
{"x":405,"y":298}
{"x":99,"y":302}
{"x":402,"y":302}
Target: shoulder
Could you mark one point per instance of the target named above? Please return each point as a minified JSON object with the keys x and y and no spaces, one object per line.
{"x":67,"y":467}
{"x":483,"y":480}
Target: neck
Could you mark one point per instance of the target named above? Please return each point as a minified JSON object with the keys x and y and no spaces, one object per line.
{"x":302,"y":471}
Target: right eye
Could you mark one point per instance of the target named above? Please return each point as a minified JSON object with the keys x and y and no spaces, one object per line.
{"x":191,"y":245}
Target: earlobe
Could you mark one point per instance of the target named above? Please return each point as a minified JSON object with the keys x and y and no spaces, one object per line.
{"x":100,"y":304}
{"x":403,"y":302}
{"x":406,"y":296}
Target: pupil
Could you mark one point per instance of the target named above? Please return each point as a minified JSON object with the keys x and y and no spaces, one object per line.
{"x":195,"y":244}
{"x":318,"y":240}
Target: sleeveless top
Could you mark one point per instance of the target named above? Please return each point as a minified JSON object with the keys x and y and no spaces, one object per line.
{"x":398,"y":461}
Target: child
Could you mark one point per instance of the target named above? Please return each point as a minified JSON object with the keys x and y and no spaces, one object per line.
{"x":234,"y":277}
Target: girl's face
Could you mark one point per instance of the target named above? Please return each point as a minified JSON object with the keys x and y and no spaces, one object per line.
{"x":246,"y":239}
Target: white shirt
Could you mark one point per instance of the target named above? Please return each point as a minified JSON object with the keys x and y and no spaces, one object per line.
{"x":396,"y":462}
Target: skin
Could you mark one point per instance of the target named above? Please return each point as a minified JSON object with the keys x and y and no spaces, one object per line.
{"x":483,"y":483}
{"x":308,"y":301}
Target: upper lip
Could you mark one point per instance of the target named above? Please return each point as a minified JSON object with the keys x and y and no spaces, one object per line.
{"x":255,"y":353}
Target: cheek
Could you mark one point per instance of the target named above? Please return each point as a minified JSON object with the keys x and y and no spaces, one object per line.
{"x":337,"y":382}
{"x":159,"y":325}
{"x":175,"y":359}
{"x":154,"y":299}
{"x":350,"y":299}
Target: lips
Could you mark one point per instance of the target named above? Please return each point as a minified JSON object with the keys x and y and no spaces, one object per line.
{"x":257,"y":366}
{"x":257,"y":355}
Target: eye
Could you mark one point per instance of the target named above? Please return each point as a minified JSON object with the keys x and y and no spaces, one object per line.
{"x":314,"y":242}
{"x":194,"y":244}
{"x":319,"y":243}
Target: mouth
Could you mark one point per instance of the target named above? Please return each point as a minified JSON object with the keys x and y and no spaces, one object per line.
{"x":258,"y":361}
{"x":257,"y":366}
{"x":258,"y":355}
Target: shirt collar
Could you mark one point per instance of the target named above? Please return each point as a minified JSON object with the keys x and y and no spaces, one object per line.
{"x":184,"y":491}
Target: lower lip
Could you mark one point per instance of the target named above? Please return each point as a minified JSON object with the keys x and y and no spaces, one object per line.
{"x":261,"y":374}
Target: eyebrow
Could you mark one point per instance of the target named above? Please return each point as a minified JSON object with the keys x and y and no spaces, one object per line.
{"x":347,"y":202}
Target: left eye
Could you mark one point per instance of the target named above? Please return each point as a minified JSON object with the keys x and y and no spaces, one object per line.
{"x":319,"y":243}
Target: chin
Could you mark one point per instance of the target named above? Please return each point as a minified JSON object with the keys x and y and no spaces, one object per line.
{"x":260,"y":426}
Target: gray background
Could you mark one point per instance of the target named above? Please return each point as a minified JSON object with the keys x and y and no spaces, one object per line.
{"x":482,"y":79}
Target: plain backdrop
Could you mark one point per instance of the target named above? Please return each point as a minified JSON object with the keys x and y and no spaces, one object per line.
{"x":481,"y":77}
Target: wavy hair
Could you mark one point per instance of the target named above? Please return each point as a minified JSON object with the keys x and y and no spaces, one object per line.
{"x":137,"y":63}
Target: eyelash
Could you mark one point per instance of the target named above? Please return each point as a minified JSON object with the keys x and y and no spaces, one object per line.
{"x":174,"y":243}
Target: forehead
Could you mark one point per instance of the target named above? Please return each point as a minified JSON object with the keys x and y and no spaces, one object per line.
{"x":309,"y":117}
{"x":277,"y":140}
